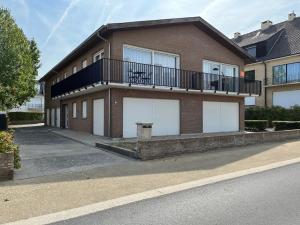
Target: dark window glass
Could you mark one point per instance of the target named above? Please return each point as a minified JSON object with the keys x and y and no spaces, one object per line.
{"x":279,"y":74}
{"x":252,"y":51}
{"x":293,"y":72}
{"x":250,"y":75}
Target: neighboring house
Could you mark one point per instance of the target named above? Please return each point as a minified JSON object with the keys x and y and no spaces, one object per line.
{"x":35,"y":104}
{"x":149,"y":71}
{"x":277,"y":50}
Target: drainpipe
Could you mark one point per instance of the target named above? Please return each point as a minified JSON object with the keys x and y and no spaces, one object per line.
{"x":109,"y":95}
{"x":266,"y":80}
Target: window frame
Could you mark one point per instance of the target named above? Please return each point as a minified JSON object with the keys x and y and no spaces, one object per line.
{"x":74,"y":111}
{"x":221,"y":67}
{"x":99,"y":53}
{"x":74,"y":68}
{"x":84,"y":63}
{"x":251,"y":47}
{"x":153,"y":51}
{"x":82,"y":109}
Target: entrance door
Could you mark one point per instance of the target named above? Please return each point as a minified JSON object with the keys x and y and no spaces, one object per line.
{"x":66,"y":116}
{"x":58,"y":117}
{"x":52,"y":117}
{"x":98,"y":117}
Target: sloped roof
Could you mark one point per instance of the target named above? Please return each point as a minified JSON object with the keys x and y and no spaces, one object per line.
{"x":108,"y":28}
{"x":287,"y":43}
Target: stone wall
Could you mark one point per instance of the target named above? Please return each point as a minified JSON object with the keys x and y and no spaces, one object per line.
{"x":6,"y":166}
{"x":151,"y":149}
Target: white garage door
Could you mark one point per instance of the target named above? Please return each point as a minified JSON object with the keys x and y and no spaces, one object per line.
{"x":98,"y":117}
{"x":164,"y":114}
{"x":286,"y":99}
{"x":220,"y":117}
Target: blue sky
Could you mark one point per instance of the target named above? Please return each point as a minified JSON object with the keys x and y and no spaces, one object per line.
{"x":59,"y":26}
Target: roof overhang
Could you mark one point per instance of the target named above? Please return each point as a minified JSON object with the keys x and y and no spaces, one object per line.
{"x":106,"y":30}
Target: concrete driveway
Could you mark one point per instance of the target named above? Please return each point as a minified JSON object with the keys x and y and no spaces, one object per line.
{"x":44,"y":153}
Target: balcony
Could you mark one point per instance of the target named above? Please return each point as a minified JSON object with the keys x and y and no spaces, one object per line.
{"x":109,"y":71}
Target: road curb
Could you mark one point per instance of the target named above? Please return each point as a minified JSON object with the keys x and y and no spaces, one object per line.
{"x":96,"y":207}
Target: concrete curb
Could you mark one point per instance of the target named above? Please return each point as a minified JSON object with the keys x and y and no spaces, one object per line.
{"x":96,"y":207}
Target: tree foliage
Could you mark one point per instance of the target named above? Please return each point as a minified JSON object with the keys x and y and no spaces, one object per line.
{"x":19,"y":63}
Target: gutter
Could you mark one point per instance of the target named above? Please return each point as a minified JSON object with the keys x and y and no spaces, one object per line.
{"x":109,"y":94}
{"x":265,"y":70}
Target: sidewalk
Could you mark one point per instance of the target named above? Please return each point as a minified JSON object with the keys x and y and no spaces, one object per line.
{"x":38,"y":196}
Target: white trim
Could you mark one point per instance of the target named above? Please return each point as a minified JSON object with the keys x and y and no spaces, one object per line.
{"x":98,"y":53}
{"x":269,"y":60}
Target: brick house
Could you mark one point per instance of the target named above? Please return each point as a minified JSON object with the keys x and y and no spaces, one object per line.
{"x":276,"y":48}
{"x":181,"y":74}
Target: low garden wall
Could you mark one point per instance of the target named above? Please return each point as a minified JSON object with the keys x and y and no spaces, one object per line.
{"x":6,"y":166}
{"x":151,"y":149}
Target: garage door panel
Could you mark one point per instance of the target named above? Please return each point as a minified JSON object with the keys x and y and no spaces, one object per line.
{"x":286,"y":99}
{"x":220,"y":117}
{"x":164,"y":114}
{"x":166,"y":117}
{"x":211,"y":117}
{"x":229,"y":117}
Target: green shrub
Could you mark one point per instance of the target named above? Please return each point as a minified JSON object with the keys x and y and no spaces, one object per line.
{"x":19,"y":116}
{"x":256,"y":125}
{"x":7,"y":145}
{"x":274,"y":113}
{"x":286,"y":125}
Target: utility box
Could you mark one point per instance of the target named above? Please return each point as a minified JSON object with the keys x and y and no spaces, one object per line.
{"x":144,"y":130}
{"x":3,"y":121}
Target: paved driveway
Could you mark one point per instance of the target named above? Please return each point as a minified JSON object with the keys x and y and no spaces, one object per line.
{"x":44,"y":153}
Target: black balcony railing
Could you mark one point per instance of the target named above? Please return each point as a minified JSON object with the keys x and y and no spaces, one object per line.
{"x":117,"y":71}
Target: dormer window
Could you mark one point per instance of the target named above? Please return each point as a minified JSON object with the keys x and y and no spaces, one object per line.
{"x":251,"y":50}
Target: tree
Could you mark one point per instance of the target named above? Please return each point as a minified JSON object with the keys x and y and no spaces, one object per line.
{"x":19,"y":63}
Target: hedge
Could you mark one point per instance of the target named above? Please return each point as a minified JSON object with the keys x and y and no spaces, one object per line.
{"x":274,"y":113}
{"x":20,"y":116}
{"x":256,"y":125}
{"x":7,"y":145}
{"x":286,"y":125}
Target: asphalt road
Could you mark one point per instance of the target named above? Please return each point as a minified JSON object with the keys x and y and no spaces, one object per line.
{"x":268,"y":198}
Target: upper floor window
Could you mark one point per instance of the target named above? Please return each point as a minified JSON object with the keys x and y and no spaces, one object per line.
{"x":65,"y":75}
{"x":286,"y":73}
{"x":84,"y":63}
{"x":57,"y":79}
{"x":250,"y":75}
{"x":155,"y":60}
{"x":98,"y":55}
{"x":252,"y":50}
{"x":220,"y":68}
{"x":74,"y":70}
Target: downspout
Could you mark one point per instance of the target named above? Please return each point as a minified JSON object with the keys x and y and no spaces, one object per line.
{"x":265,"y":83}
{"x":109,"y":94}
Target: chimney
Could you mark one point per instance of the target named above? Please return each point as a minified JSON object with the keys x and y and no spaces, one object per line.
{"x":291,"y":16}
{"x":237,"y":34}
{"x":266,"y":24}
